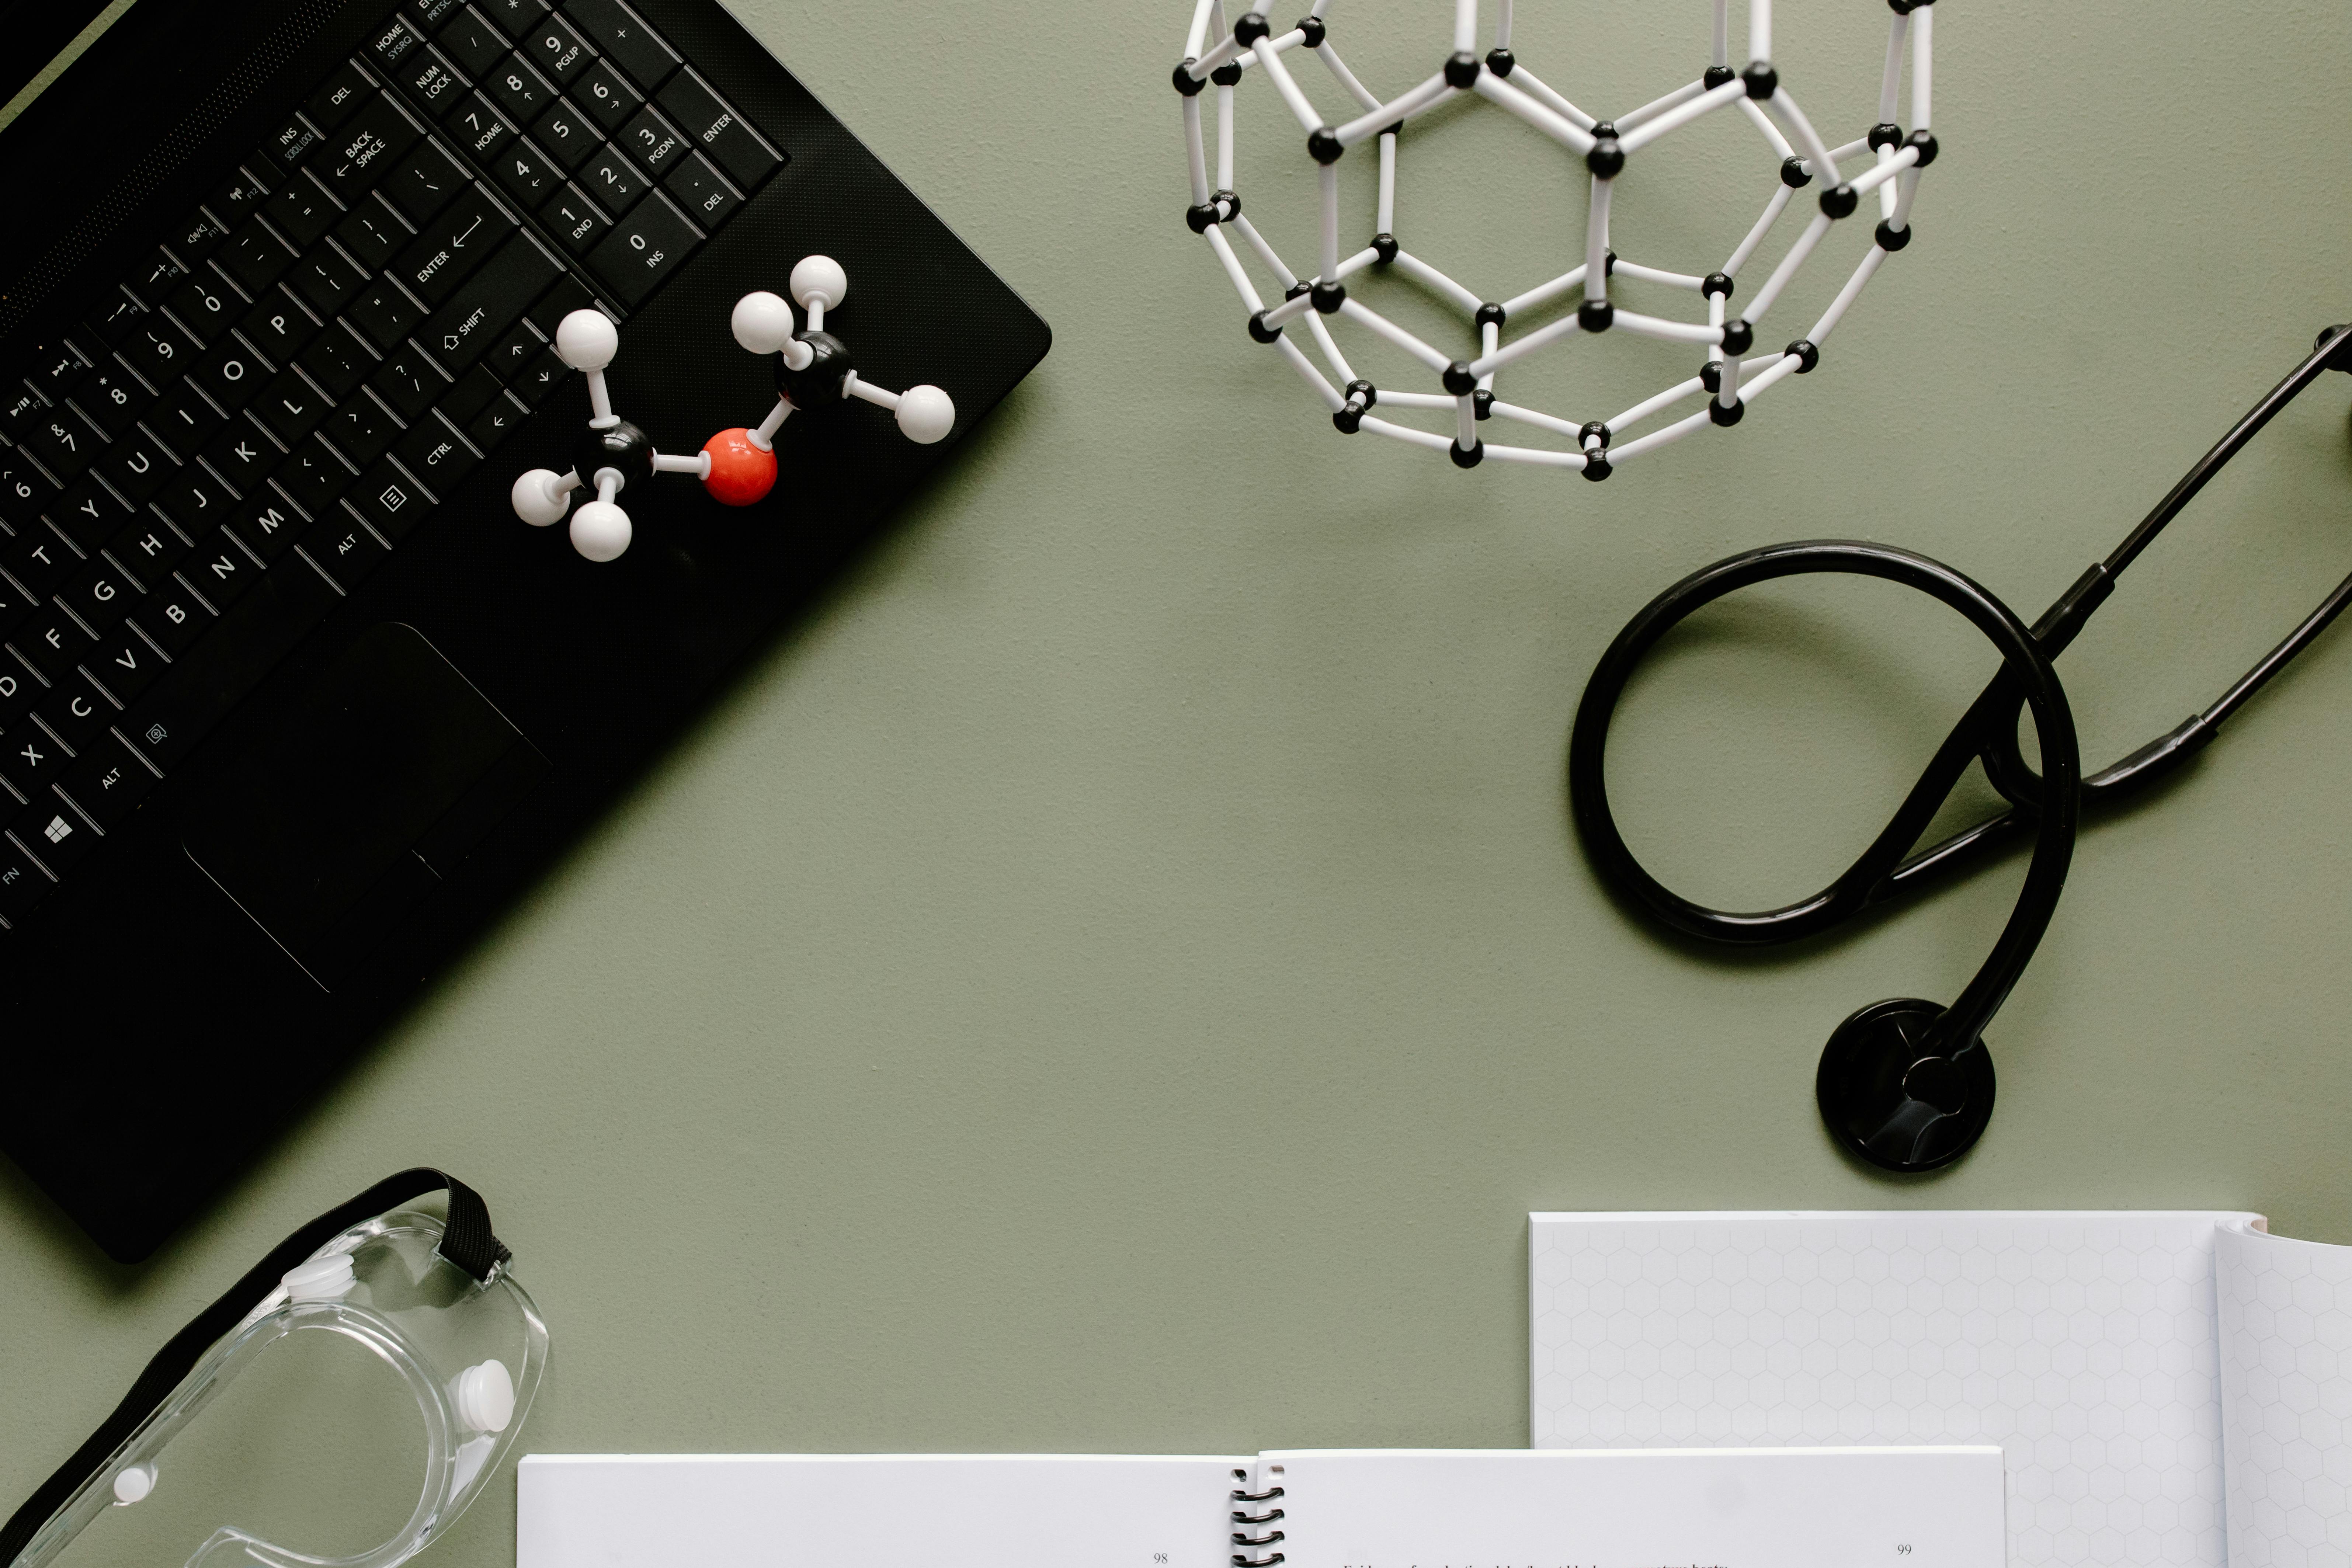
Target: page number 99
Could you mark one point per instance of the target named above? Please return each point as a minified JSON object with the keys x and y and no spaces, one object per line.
{"x":1903,"y":1550}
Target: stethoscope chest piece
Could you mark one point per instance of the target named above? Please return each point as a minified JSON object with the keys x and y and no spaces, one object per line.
{"x":1894,"y":1098}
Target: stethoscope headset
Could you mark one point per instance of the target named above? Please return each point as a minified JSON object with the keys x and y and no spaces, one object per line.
{"x":1907,"y":1084}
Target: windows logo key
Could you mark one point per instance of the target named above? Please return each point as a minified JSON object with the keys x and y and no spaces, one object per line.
{"x":57,"y":830}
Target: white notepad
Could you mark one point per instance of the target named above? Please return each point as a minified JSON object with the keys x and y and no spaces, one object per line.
{"x":2171,"y":1388}
{"x":1865,"y":1507}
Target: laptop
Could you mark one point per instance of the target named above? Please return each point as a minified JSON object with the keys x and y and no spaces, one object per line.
{"x":291,"y":704}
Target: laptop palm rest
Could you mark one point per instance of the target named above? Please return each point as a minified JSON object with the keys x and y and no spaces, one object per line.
{"x":388,"y":768}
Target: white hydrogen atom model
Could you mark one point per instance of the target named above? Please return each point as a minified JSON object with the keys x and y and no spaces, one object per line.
{"x":1882,"y":168}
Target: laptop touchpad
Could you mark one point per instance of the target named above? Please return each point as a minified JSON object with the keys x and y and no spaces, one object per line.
{"x":389,"y":767}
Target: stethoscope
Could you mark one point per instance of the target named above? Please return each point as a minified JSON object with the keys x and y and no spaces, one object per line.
{"x":1907,"y":1084}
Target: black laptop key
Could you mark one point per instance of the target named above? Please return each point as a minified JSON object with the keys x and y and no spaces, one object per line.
{"x":384,"y":314}
{"x":652,"y":140}
{"x":345,"y":547}
{"x":366,"y":148}
{"x":113,"y":318}
{"x":567,"y":295}
{"x":328,"y":279}
{"x":370,"y":233}
{"x":448,"y":250}
{"x":231,"y":373}
{"x":609,"y":97}
{"x":514,"y":17}
{"x":518,"y":89}
{"x":313,"y":473}
{"x":277,"y":327}
{"x":204,"y":305}
{"x":716,"y":129}
{"x":125,"y":664}
{"x":111,"y":397}
{"x":136,"y":466}
{"x":198,"y":236}
{"x":253,"y":257}
{"x":89,"y":512}
{"x":576,"y":220}
{"x":19,"y":406}
{"x":409,"y":382}
{"x":150,"y":547}
{"x":430,"y":82}
{"x":76,"y":712}
{"x":476,"y":46}
{"x":568,"y":135}
{"x":300,"y":210}
{"x":157,"y":350}
{"x":434,"y":13}
{"x":481,"y":310}
{"x":220,"y":569}
{"x":173,"y":619}
{"x":160,"y":271}
{"x":425,"y":179}
{"x":337,"y":96}
{"x":336,"y":362}
{"x":495,"y":423}
{"x":53,"y":831}
{"x":62,"y":442}
{"x":24,"y":489}
{"x":108,"y":783}
{"x":195,"y":500}
{"x":699,"y":189}
{"x":22,"y":884}
{"x":99,"y":593}
{"x":52,"y":642}
{"x":291,"y":406}
{"x":38,"y":560}
{"x":555,"y":48}
{"x":30,"y":758}
{"x":529,"y":175}
{"x":390,"y":45}
{"x":434,"y":454}
{"x":292,"y":142}
{"x":59,"y":370}
{"x":242,"y":455}
{"x":539,"y":377}
{"x":361,"y":430}
{"x":266,"y":526}
{"x":480,"y":129}
{"x":612,"y":181}
{"x":238,"y":197}
{"x":512,"y":352}
{"x":18,"y":692}
{"x":616,"y":30}
{"x":388,"y":497}
{"x":471,"y":394}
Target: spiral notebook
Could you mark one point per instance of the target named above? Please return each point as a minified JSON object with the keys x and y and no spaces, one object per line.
{"x":2173,"y":1390}
{"x":1838,"y":1507}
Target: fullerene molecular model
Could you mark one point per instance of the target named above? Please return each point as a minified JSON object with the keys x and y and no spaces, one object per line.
{"x":1608,"y":148}
{"x":737,"y":466}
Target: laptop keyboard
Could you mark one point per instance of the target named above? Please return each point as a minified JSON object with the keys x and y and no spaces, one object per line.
{"x":343,"y":330}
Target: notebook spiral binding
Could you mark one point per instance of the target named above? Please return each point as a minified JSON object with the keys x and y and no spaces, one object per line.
{"x":1241,"y":1516}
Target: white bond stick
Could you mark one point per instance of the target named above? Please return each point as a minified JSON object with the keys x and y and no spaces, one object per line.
{"x":1279,"y":74}
{"x":1817,"y":152}
{"x":1545,"y":293}
{"x":1430,"y":278}
{"x":1347,"y":78}
{"x":1503,"y":27}
{"x":1625,"y":268}
{"x":1649,"y":405}
{"x":1658,"y":106}
{"x":664,"y":463}
{"x":764,"y":437}
{"x":853,"y":386}
{"x":1387,"y":215}
{"x":1356,"y":310}
{"x":1759,"y":30}
{"x":1490,"y":338}
{"x":1199,"y":29}
{"x":1528,"y":82}
{"x":1195,"y":158}
{"x":1541,"y":421}
{"x":1559,"y":127}
{"x":1415,"y":400}
{"x":1715,"y":312}
{"x":1329,"y":175}
{"x":1770,"y":376}
{"x":1299,"y":362}
{"x":1289,"y":311}
{"x":1227,"y":48}
{"x":1663,"y":437}
{"x":1233,"y":265}
{"x":1224,"y":138}
{"x":1465,"y":26}
{"x":1886,"y":192}
{"x":1763,"y":121}
{"x":1923,"y":74}
{"x":1265,"y":252}
{"x":1846,"y":296}
{"x":1330,"y":347}
{"x":1727,"y":382}
{"x":1722,"y":54}
{"x":1902,"y":159}
{"x":1853,"y":149}
{"x":1596,"y":242}
{"x":1772,"y":211}
{"x":1466,"y":422}
{"x":600,"y":401}
{"x":1536,"y":454}
{"x":1487,"y":364}
{"x":1396,"y":112}
{"x":1664,"y":330}
{"x":1357,"y":262}
{"x":1788,"y":267}
{"x":1406,"y":433}
{"x":1703,"y":104}
{"x":1906,"y":190}
{"x":1890,"y":86}
{"x":1281,"y":44}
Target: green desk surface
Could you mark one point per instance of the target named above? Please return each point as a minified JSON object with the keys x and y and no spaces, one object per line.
{"x":1119,"y":978}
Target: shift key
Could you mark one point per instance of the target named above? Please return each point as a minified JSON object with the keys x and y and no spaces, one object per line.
{"x":481,"y":310}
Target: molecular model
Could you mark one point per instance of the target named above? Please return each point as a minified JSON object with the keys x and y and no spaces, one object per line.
{"x":737,"y":466}
{"x":1728,"y":380}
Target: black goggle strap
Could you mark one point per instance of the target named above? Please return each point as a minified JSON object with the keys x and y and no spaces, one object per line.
{"x":466,"y":1241}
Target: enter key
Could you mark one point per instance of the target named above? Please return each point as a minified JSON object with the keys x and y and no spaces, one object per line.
{"x":453,"y":246}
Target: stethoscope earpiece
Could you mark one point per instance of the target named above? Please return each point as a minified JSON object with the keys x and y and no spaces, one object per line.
{"x":1891,"y":1095}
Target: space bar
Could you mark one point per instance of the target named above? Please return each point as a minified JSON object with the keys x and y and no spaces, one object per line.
{"x":197,"y":693}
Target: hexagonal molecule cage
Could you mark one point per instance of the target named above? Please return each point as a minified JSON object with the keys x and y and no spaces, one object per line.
{"x":1877,"y":172}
